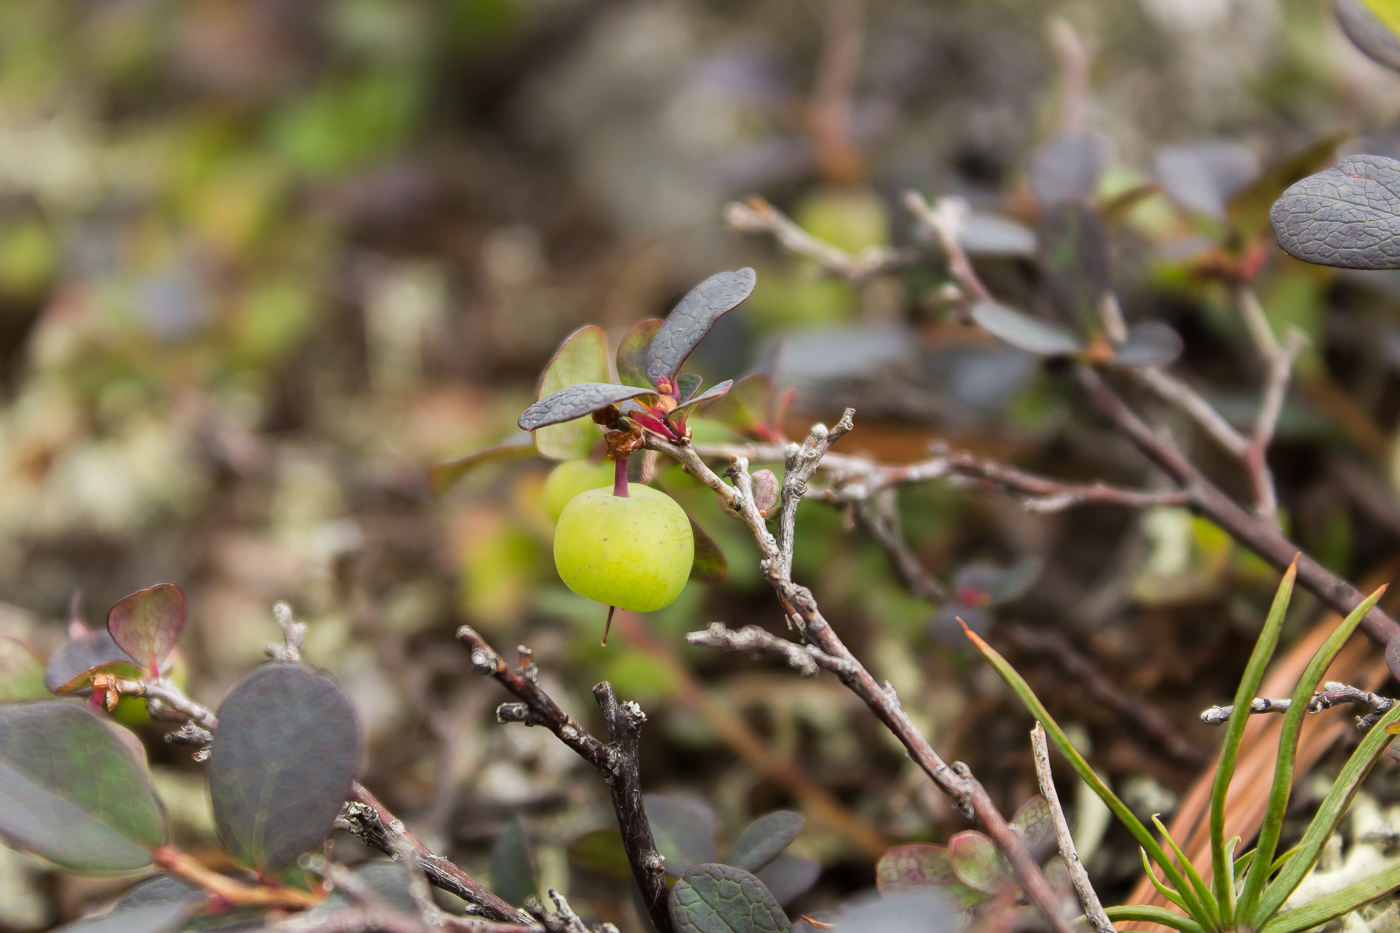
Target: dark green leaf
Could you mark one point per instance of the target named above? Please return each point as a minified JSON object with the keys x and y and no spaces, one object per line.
{"x":925,"y":910}
{"x":977,"y":863}
{"x":147,"y":623}
{"x":1068,"y":166}
{"x":684,"y":827}
{"x":282,"y":763}
{"x":71,"y":666}
{"x":513,"y":865}
{"x":1074,"y":259}
{"x":1368,"y":33}
{"x":1202,"y":177}
{"x":723,"y":899}
{"x":765,"y":839}
{"x":155,"y":905}
{"x":1346,"y":216}
{"x":71,"y":791}
{"x":788,"y":877}
{"x":687,"y":384}
{"x":1149,"y":344}
{"x":576,"y":401}
{"x":21,"y":672}
{"x":1024,"y":332}
{"x":710,"y":394}
{"x":632,"y":353}
{"x":692,"y":319}
{"x":710,"y":564}
{"x":441,"y":476}
{"x":581,"y":358}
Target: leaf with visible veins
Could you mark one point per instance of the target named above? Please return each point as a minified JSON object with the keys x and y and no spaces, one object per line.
{"x":71,"y":667}
{"x":281,"y":764}
{"x":714,"y":898}
{"x":692,"y":319}
{"x":146,"y":624}
{"x":1347,"y":216}
{"x":576,"y":401}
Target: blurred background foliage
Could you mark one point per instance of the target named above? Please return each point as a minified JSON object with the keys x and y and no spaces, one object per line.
{"x":264,"y":261}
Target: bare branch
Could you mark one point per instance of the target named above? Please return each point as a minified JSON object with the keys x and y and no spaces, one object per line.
{"x":1074,"y":65}
{"x":1088,"y":898}
{"x":806,"y":659}
{"x":946,"y":223}
{"x":1202,"y":412}
{"x":756,"y":215}
{"x":1332,"y":694}
{"x":293,"y":633}
{"x":1275,"y":389}
{"x":615,"y":760}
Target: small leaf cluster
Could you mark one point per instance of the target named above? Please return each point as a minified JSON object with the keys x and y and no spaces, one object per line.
{"x":1245,"y":891}
{"x":76,"y":790}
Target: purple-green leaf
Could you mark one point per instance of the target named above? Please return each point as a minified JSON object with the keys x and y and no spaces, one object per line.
{"x":1149,"y":344}
{"x":632,"y":352}
{"x":441,"y":476}
{"x":1074,"y":259}
{"x":575,"y":401}
{"x":1201,"y":177}
{"x":1392,"y":657}
{"x":1068,"y":166}
{"x":156,"y":905}
{"x":1347,"y":216}
{"x":710,"y":394}
{"x":684,"y":827}
{"x":71,"y":667}
{"x":281,"y":765}
{"x":21,"y":672}
{"x":687,"y":384}
{"x":581,"y":358}
{"x":923,"y":865}
{"x":977,"y":863}
{"x":765,"y":489}
{"x":513,"y":871}
{"x":147,"y":623}
{"x":789,"y":876}
{"x":1250,"y":208}
{"x":1023,"y":331}
{"x":710,"y":565}
{"x":1368,"y":33}
{"x":1033,"y":822}
{"x":692,"y":319}
{"x":724,"y":899}
{"x":764,"y":839}
{"x":72,"y":791}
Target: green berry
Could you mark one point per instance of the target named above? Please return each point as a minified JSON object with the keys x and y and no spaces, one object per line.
{"x":572,"y":477}
{"x":632,"y":552}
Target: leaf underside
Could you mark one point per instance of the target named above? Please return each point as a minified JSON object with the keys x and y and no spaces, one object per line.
{"x":1347,"y":216}
{"x":714,"y":898}
{"x":71,"y":790}
{"x":281,"y":765}
{"x":577,"y":401}
{"x":147,"y":623}
{"x":692,"y":319}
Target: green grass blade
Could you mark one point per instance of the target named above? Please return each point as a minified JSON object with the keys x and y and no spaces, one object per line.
{"x":1144,"y":913}
{"x":1086,"y":773}
{"x":1198,"y":884}
{"x":1264,"y":648}
{"x":1328,"y":817}
{"x":1272,"y":826}
{"x":1169,"y":893}
{"x":1336,"y":905}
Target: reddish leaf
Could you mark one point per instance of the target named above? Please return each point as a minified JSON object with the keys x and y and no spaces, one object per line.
{"x":977,"y":863}
{"x":1033,"y":822}
{"x":692,"y":319}
{"x":146,"y":624}
{"x":765,"y":490}
{"x":71,"y":667}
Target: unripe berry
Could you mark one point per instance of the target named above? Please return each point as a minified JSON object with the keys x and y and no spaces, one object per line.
{"x":632,"y":552}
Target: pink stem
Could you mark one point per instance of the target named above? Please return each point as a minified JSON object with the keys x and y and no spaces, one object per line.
{"x":620,"y":478}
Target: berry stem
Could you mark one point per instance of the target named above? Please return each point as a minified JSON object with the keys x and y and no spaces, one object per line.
{"x":620,"y":477}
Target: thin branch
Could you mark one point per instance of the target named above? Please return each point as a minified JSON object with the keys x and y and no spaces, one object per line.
{"x":1088,"y":898}
{"x":807,"y":660}
{"x":1256,"y":321}
{"x":946,"y":222}
{"x":1332,"y":694}
{"x":293,"y":633}
{"x":1256,"y":456}
{"x":615,"y":760}
{"x":756,"y":215}
{"x":1202,"y":412}
{"x":956,"y":780}
{"x":1074,"y":65}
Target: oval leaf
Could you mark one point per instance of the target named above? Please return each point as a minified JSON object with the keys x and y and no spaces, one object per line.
{"x":1024,"y":332}
{"x":993,"y":235}
{"x":766,"y":489}
{"x":1368,"y":33}
{"x":1202,"y":177}
{"x":765,"y":839}
{"x":710,"y":394}
{"x":72,"y":666}
{"x":71,"y":791}
{"x":21,"y":672}
{"x":156,"y":905}
{"x":788,"y":877}
{"x":684,"y":827}
{"x":441,"y":476}
{"x":281,"y":765}
{"x":1033,"y":822}
{"x":1346,"y":216}
{"x":692,"y":319}
{"x":687,"y":385}
{"x":1149,"y":344}
{"x":710,"y":565}
{"x":977,"y":863}
{"x":146,"y":624}
{"x":724,"y":899}
{"x":1068,"y":166}
{"x":513,"y":865}
{"x":632,"y":353}
{"x":747,"y":405}
{"x":923,"y":865}
{"x":1250,"y":208}
{"x":572,"y":402}
{"x":581,"y":358}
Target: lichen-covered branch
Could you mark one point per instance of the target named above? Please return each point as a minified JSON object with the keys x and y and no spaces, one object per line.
{"x":1088,"y":897}
{"x":1332,"y":694}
